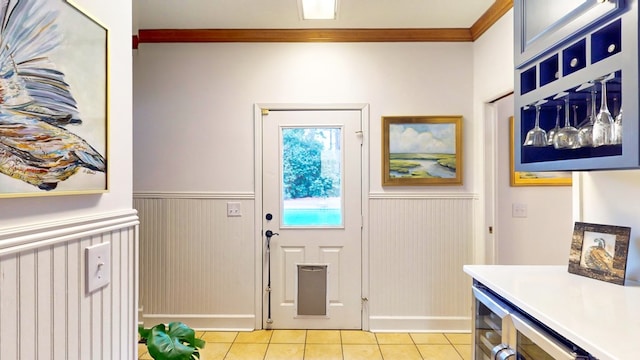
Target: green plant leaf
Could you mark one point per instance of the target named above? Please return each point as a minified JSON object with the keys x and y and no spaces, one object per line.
{"x":144,"y":333}
{"x":177,"y":342}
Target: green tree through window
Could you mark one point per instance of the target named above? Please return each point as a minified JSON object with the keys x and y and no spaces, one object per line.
{"x":303,"y":174}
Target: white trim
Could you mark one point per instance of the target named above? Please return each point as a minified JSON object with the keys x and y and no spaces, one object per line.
{"x":310,"y":106}
{"x":260,"y":295}
{"x":365,"y":263}
{"x":484,"y":244}
{"x":423,"y":195}
{"x":205,"y":322}
{"x":192,"y":195}
{"x":135,"y":277}
{"x":22,"y":238}
{"x":577,"y":195}
{"x":257,"y":115}
{"x":439,"y":324}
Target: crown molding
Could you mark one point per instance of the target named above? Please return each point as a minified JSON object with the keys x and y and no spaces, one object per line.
{"x":497,"y":9}
{"x":493,"y":14}
{"x":303,"y":35}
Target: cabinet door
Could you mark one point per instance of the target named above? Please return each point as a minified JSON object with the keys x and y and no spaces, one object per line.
{"x":590,"y":73}
{"x":542,"y":25}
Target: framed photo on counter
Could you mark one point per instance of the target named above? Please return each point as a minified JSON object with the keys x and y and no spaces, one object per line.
{"x":600,"y":251}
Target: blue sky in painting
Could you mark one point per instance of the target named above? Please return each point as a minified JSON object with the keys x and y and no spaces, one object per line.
{"x":422,"y":138}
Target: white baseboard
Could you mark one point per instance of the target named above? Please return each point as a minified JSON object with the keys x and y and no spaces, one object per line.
{"x":419,"y":324}
{"x":203,"y":322}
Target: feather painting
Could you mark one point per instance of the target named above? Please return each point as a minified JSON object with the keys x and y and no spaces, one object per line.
{"x":42,"y":141}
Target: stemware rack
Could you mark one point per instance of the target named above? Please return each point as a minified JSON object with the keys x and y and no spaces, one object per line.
{"x":570,"y":68}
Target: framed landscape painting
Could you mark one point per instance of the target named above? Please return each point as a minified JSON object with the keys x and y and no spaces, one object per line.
{"x":549,"y":178}
{"x":53,"y":108}
{"x":421,"y":150}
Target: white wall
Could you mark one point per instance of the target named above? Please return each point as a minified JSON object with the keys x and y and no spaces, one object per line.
{"x":200,"y":96}
{"x":609,"y":198}
{"x":492,"y":78}
{"x":44,"y":309}
{"x":194,"y":142}
{"x":544,"y":236}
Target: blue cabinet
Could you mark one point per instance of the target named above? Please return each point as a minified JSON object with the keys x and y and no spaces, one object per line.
{"x":568,"y":54}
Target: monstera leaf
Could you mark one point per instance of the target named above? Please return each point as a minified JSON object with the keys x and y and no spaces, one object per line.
{"x":175,"y":342}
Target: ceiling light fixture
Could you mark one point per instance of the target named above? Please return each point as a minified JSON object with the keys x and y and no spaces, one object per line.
{"x":319,"y":9}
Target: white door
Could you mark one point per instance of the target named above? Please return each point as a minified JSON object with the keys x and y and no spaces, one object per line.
{"x":312,"y":202}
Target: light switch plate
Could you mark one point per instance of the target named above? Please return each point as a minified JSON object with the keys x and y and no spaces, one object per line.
{"x":519,"y":210}
{"x":234,"y":209}
{"x":98,"y":266}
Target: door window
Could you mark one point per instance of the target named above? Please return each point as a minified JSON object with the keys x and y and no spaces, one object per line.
{"x":311,"y":190}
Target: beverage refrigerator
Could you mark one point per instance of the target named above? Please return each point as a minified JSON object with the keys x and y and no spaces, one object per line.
{"x":502,"y":331}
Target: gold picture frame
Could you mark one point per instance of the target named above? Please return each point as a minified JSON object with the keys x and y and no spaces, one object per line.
{"x":56,"y":141}
{"x":518,"y":178}
{"x":421,"y":150}
{"x":600,"y":251}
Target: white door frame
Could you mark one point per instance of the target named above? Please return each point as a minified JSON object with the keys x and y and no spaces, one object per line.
{"x":259,"y":238}
{"x":489,"y":230}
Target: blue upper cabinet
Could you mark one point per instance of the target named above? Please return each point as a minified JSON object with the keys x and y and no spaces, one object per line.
{"x":576,"y":85}
{"x":544,"y":25}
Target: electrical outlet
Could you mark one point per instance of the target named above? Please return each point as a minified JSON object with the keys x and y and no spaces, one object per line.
{"x":233,"y":209}
{"x":519,"y":210}
{"x":97,"y":266}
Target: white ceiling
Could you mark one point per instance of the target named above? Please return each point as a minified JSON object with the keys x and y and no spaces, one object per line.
{"x":284,"y":14}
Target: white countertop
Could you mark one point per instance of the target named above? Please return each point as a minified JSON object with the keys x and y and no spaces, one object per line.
{"x":600,"y":317}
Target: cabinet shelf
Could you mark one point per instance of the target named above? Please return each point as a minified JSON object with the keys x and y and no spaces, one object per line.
{"x":564,"y":73}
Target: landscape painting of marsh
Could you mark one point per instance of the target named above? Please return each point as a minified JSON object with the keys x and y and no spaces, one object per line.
{"x":422,"y":150}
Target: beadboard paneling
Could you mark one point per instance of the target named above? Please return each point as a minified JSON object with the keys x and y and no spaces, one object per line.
{"x":197,"y":264}
{"x":45,"y":312}
{"x":417,"y":249}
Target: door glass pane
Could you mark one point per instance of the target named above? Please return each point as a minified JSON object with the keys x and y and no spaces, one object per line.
{"x":541,"y":15}
{"x":528,"y":350}
{"x":311,"y":177}
{"x":488,"y":332}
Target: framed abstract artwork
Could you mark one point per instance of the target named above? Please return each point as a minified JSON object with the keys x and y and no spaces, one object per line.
{"x":518,"y":178}
{"x":600,"y":251}
{"x":421,"y":150}
{"x":53,"y":103}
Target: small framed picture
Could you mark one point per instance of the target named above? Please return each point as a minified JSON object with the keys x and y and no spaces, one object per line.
{"x":421,"y":150}
{"x":600,"y":251}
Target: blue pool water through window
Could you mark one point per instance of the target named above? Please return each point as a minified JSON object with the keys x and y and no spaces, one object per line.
{"x":312,"y":217}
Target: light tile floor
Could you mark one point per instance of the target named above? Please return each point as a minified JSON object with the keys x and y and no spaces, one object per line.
{"x":330,"y":345}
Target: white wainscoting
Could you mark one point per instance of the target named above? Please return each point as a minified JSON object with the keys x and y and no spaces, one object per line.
{"x":196,"y":264}
{"x":418,"y":245}
{"x":45,"y":312}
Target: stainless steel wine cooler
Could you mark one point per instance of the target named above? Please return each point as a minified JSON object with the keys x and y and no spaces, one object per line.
{"x":502,"y":331}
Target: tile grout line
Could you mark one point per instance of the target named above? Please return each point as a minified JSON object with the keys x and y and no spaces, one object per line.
{"x":232,"y":342}
{"x":454,"y":346}
{"x":415,"y":345}
{"x":304,"y":348}
{"x":266,"y":351}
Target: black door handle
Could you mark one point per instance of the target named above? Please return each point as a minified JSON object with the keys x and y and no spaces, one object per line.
{"x":270,"y":233}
